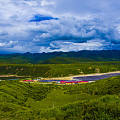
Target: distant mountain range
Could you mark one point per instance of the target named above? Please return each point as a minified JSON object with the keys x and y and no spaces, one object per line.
{"x":60,"y":57}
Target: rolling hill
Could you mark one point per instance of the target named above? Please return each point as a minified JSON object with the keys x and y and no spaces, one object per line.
{"x":61,"y":57}
{"x":94,"y":101}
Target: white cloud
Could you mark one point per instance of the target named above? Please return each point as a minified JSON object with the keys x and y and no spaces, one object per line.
{"x":70,"y":46}
{"x":2,"y":44}
{"x":47,"y":3}
{"x":72,"y":31}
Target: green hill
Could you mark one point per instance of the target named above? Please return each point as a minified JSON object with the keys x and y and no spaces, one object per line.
{"x":93,"y":101}
{"x":61,"y":57}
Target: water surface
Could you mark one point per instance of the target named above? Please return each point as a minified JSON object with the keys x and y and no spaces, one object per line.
{"x":96,"y":77}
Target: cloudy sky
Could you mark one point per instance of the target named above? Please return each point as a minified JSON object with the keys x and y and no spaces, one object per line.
{"x":59,"y":25}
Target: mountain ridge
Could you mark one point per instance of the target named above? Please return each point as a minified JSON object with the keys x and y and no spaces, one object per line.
{"x":61,"y":57}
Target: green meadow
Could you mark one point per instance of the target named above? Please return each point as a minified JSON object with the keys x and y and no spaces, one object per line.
{"x":31,"y":101}
{"x":58,"y":70}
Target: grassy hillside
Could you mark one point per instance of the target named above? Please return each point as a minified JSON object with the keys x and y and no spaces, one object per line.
{"x":58,"y":70}
{"x":61,"y":57}
{"x":94,"y":101}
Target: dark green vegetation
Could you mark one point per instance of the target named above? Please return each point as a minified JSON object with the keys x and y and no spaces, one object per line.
{"x":57,"y":70}
{"x":34,"y":101}
{"x":61,"y":57}
{"x":93,"y":101}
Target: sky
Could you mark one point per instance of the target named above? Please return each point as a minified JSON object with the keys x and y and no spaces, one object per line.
{"x":38,"y":26}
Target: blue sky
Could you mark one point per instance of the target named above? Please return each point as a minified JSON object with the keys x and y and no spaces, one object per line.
{"x":59,"y":25}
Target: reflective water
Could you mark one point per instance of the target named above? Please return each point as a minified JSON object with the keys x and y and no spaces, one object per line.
{"x":96,"y":77}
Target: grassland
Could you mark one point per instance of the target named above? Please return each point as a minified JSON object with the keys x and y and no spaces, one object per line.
{"x":58,"y":70}
{"x":32,"y":101}
{"x":93,"y":101}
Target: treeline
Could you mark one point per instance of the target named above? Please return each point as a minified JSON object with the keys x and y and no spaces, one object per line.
{"x":24,"y":70}
{"x":57,"y":70}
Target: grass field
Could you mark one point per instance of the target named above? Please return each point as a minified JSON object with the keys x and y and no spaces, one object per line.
{"x":58,"y":70}
{"x":97,"y":101}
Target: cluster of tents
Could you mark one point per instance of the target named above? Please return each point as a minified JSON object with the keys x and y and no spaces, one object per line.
{"x":72,"y":82}
{"x":67,"y":82}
